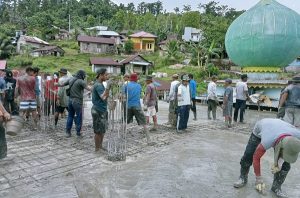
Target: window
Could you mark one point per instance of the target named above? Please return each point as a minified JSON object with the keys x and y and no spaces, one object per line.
{"x":149,"y":46}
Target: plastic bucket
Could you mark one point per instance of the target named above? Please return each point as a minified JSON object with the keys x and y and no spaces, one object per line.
{"x":14,"y":126}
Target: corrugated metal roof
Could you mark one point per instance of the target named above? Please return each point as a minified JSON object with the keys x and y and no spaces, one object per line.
{"x":108,"y":33}
{"x":2,"y":64}
{"x":142,"y":34}
{"x":104,"y":61}
{"x":92,"y":39}
{"x":47,"y":48}
{"x":33,"y":39}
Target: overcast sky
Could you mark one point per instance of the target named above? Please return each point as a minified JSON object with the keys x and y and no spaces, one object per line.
{"x":238,"y":4}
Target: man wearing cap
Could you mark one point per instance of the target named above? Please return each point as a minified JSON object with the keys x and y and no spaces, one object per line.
{"x":193,"y":90}
{"x":266,"y":134}
{"x":228,"y":102}
{"x":62,"y":98}
{"x":291,"y":99}
{"x":150,"y":101}
{"x":133,"y":92}
{"x":99,"y":109}
{"x":242,"y":96}
{"x":77,"y":85}
{"x":9,"y":99}
{"x":172,"y":100}
{"x":212,"y":100}
{"x":184,"y":103}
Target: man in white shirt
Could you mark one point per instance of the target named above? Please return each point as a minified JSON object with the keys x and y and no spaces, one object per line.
{"x":241,"y":98}
{"x":184,"y":103}
{"x":172,"y":100}
{"x":212,"y":99}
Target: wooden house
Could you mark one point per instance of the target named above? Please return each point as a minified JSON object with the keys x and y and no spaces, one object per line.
{"x":28,"y":43}
{"x":143,"y":41}
{"x":112,"y":66}
{"x":135,"y":64}
{"x":62,"y":35}
{"x":96,"y":45}
{"x":48,"y":51}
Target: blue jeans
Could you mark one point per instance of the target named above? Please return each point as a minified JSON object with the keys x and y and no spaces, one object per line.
{"x":74,"y":108}
{"x":184,"y":113}
{"x":240,"y":105}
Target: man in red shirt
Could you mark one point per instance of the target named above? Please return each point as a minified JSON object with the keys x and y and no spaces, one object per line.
{"x":51,"y":94}
{"x":26,"y":90}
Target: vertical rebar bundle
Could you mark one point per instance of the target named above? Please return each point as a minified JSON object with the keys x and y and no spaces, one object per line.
{"x":117,"y":126}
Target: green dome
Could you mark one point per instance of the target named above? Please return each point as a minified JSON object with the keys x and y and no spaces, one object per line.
{"x":266,"y":35}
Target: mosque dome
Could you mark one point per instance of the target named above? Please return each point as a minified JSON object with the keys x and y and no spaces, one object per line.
{"x":267,"y":35}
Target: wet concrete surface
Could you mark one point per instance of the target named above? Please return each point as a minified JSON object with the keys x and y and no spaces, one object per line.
{"x":202,"y":162}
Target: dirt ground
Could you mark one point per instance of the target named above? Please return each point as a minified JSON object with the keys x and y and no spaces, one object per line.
{"x":203,"y":162}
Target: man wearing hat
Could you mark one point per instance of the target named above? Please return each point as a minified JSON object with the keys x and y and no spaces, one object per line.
{"x":172,"y":100}
{"x":291,"y":99}
{"x":133,"y":92}
{"x":242,"y":96}
{"x":62,"y":98}
{"x":150,"y":101}
{"x":266,"y":134}
{"x":184,"y":103}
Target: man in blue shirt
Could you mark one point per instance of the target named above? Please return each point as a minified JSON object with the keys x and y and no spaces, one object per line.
{"x":133,"y":91}
{"x":193,"y":90}
{"x":99,"y":109}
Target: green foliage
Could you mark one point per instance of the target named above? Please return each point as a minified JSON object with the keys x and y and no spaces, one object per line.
{"x":19,"y":61}
{"x":128,"y":47}
{"x":6,"y":48}
{"x":173,"y":49}
{"x":212,"y":70}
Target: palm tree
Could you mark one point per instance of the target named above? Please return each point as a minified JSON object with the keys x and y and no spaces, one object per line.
{"x":172,"y":49}
{"x":212,"y":51}
{"x":198,"y":50}
{"x":6,"y":47}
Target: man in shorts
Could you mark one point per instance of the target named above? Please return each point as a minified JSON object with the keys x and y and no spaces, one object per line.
{"x":36,"y":71}
{"x":26,"y":90}
{"x":62,"y":98}
{"x":228,"y":103}
{"x":99,"y":109}
{"x":133,"y":91}
{"x":150,"y":102}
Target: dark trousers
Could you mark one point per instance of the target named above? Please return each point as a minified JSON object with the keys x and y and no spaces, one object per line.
{"x":240,"y":105}
{"x":184,"y":113}
{"x":3,"y":145}
{"x":247,"y":159}
{"x":193,"y":108}
{"x":74,"y":108}
{"x":11,"y":107}
{"x":212,"y":107}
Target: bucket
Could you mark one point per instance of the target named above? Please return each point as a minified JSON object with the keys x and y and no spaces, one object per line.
{"x":14,"y":126}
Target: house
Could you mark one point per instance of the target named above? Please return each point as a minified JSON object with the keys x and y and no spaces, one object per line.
{"x":48,"y":51}
{"x":3,"y":64}
{"x":97,"y":45}
{"x":107,"y":63}
{"x":29,"y":43}
{"x":96,"y":29}
{"x":163,"y":44}
{"x":162,"y":88}
{"x":135,"y":64}
{"x":143,"y":41}
{"x":192,"y":35}
{"x":62,"y":34}
{"x":110,"y":34}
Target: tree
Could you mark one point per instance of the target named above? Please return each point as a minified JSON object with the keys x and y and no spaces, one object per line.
{"x":128,"y":47}
{"x":6,"y":48}
{"x":173,"y":49}
{"x":198,"y":51}
{"x":176,"y":10}
{"x":187,"y":8}
{"x":191,"y":19}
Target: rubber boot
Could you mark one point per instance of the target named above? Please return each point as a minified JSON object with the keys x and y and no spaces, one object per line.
{"x":195,"y":115}
{"x":279,"y":178}
{"x":243,"y":179}
{"x":208,"y":115}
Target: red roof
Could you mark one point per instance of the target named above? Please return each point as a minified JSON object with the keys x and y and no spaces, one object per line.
{"x":2,"y":64}
{"x":92,"y":39}
{"x":143,"y":34}
{"x":104,"y":61}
